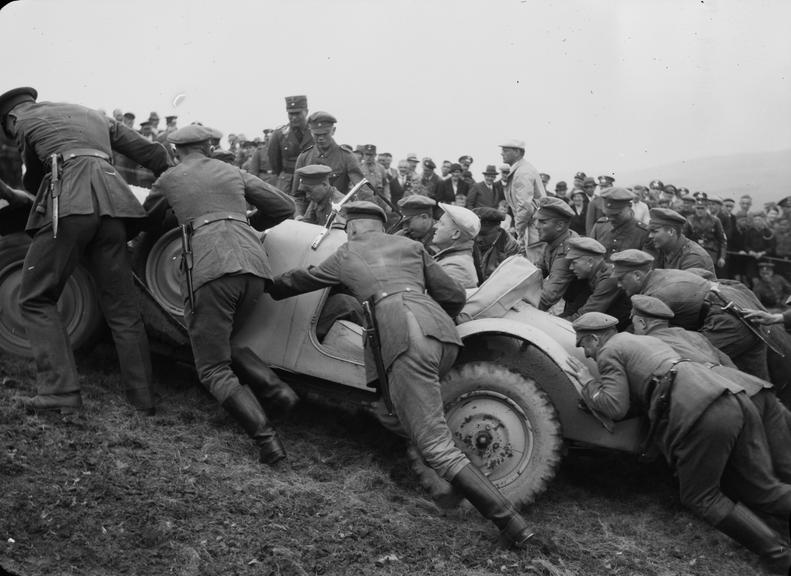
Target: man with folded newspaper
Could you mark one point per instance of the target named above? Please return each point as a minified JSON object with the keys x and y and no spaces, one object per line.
{"x":83,"y":208}
{"x":411,"y":300}
{"x":703,"y":424}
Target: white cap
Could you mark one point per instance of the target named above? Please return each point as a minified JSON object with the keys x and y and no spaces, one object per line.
{"x":463,"y":218}
{"x":513,"y":143}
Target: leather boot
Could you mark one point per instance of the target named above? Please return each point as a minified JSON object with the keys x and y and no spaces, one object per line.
{"x":68,"y":403}
{"x":142,"y":399}
{"x":267,"y":386}
{"x":244,"y":407}
{"x":751,"y":532}
{"x":491,"y":503}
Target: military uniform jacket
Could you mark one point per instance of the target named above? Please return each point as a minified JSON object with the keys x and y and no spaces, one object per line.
{"x":88,"y":185}
{"x":605,"y":296}
{"x":285,"y":146}
{"x":688,"y":254}
{"x":377,"y":176}
{"x":346,"y":170}
{"x":629,"y":234}
{"x":318,"y":213}
{"x":708,"y":232}
{"x":682,"y":291}
{"x":202,"y":188}
{"x":458,"y":262}
{"x":627,"y":364}
{"x":374,"y":264}
{"x":555,"y":268}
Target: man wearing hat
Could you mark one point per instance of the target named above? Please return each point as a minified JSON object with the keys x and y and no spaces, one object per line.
{"x":413,"y":161}
{"x":429,"y":179}
{"x":314,"y":181}
{"x":288,"y":141}
{"x":418,"y":223}
{"x":376,"y":174}
{"x":552,"y":224}
{"x":696,"y":307}
{"x":486,"y":194}
{"x":346,"y":170}
{"x":706,"y":229}
{"x":673,"y":249}
{"x":447,"y":190}
{"x":413,"y":299}
{"x":703,"y":424}
{"x":493,"y":243}
{"x":585,"y":257}
{"x":561,"y":189}
{"x":129,"y":120}
{"x":454,"y":237}
{"x":523,"y":190}
{"x":618,"y":230}
{"x":230,"y":274}
{"x":94,"y":216}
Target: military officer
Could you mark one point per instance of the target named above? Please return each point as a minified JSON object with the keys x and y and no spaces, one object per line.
{"x":231,"y":273}
{"x":429,"y":179}
{"x":314,"y":180}
{"x":672,"y":248}
{"x":454,"y":237}
{"x":414,"y":300}
{"x":94,"y":216}
{"x":696,"y":306}
{"x":549,"y":254}
{"x":704,"y":425}
{"x":346,"y":170}
{"x":288,"y":141}
{"x":418,"y":223}
{"x":493,"y":243}
{"x":376,"y":174}
{"x":618,"y":230}
{"x":585,"y":257}
{"x":706,"y":230}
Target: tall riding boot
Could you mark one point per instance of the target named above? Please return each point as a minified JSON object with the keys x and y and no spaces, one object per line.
{"x":267,"y":386}
{"x":491,"y":503}
{"x":752,"y":533}
{"x":244,"y":407}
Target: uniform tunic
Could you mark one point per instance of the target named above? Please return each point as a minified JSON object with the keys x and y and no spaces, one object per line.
{"x":605,"y":296}
{"x":707,"y":231}
{"x":555,"y":268}
{"x":709,"y":432}
{"x":628,"y":234}
{"x":346,"y":170}
{"x":317,"y":213}
{"x":687,"y":254}
{"x":96,"y":206}
{"x":285,"y":145}
{"x":418,"y":338}
{"x":377,"y":176}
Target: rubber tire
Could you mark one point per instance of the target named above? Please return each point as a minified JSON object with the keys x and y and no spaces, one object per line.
{"x":163,"y":272}
{"x":469,"y":392}
{"x":79,"y":303}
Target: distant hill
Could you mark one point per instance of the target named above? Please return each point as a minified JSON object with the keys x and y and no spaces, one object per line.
{"x":766,"y":176}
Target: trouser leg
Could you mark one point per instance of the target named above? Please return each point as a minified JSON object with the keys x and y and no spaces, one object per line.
{"x":725,"y":332}
{"x":109,"y":260}
{"x":778,"y":435}
{"x":48,"y":265}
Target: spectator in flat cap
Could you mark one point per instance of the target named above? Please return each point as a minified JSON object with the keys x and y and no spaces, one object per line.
{"x":706,"y":230}
{"x":486,"y":193}
{"x":549,"y":254}
{"x":429,"y":180}
{"x":447,"y":190}
{"x":288,"y":141}
{"x":618,"y":230}
{"x":418,"y":223}
{"x":586,"y":261}
{"x":454,"y":238}
{"x":673,"y":249}
{"x":493,"y":244}
{"x":523,"y":189}
{"x":376,"y":175}
{"x":346,"y":171}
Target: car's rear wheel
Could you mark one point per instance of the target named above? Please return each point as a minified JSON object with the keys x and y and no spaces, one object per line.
{"x":163,"y":272}
{"x":78,"y":303}
{"x":506,"y":425}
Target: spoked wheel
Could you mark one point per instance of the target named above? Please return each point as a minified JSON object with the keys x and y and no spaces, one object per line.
{"x":163,"y":272}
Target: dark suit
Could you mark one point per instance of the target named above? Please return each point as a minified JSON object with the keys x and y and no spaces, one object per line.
{"x":482,"y":196}
{"x":444,"y":191}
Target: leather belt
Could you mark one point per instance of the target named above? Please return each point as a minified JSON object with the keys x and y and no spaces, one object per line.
{"x":216,"y":217}
{"x":77,"y":152}
{"x":379,"y":296}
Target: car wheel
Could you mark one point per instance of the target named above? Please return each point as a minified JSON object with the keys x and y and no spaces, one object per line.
{"x":506,"y":425}
{"x":78,"y":304}
{"x":163,"y":272}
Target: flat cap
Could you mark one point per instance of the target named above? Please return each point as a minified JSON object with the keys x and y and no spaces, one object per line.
{"x":665,"y":217}
{"x":363,"y":210}
{"x":488,"y":214}
{"x":412,"y":157}
{"x":416,"y":204}
{"x":594,"y":321}
{"x":321,"y":122}
{"x":551,"y":207}
{"x":313,"y":173}
{"x":294,"y":103}
{"x":616,"y":199}
{"x":369,"y":149}
{"x":650,"y":307}
{"x":513,"y":143}
{"x":429,"y":163}
{"x":561,"y":186}
{"x":463,"y":218}
{"x":12,"y":98}
{"x":191,"y":134}
{"x":490,"y":170}
{"x":584,"y":246}
{"x":606,"y":179}
{"x":628,"y":260}
{"x":717,"y":200}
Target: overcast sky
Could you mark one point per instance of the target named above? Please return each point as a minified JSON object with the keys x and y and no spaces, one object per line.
{"x":596,"y":85}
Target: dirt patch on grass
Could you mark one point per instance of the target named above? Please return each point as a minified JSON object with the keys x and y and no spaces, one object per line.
{"x":110,"y":492}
